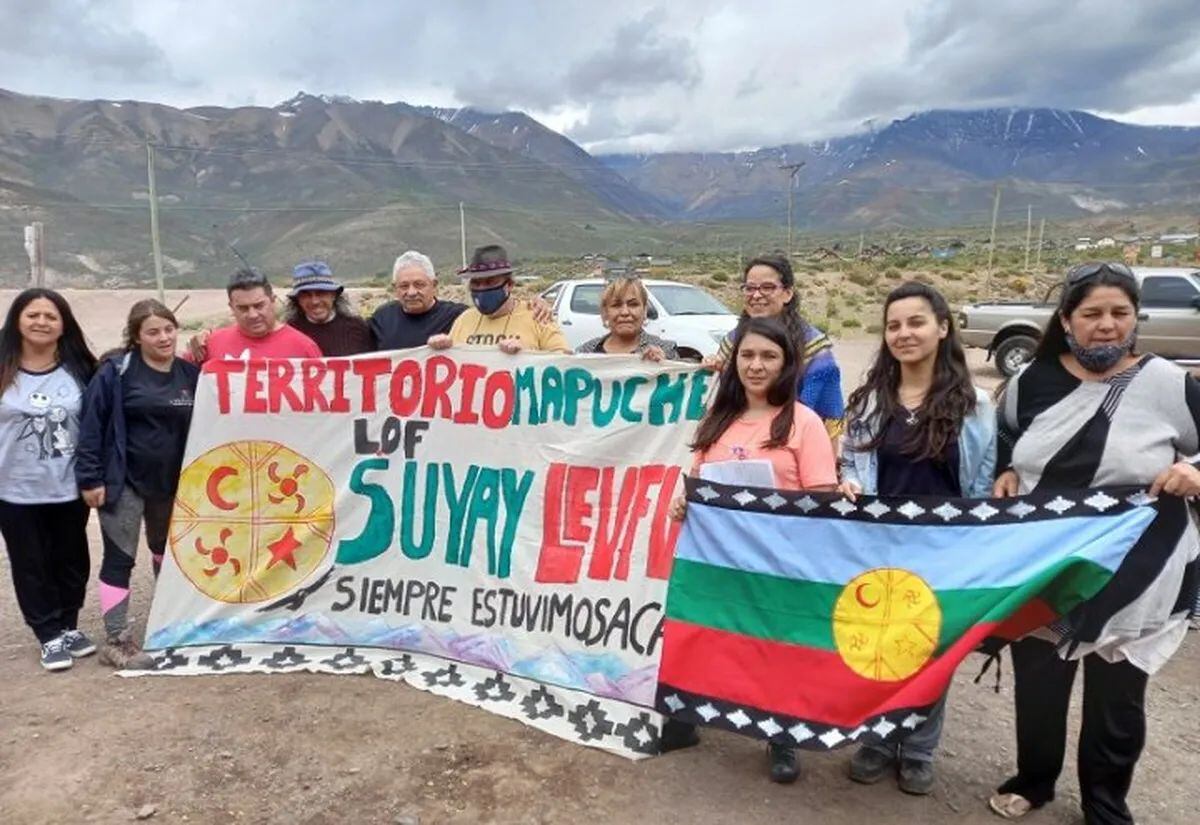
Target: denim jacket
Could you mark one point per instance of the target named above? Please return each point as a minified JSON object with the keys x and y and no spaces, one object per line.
{"x":976,"y":451}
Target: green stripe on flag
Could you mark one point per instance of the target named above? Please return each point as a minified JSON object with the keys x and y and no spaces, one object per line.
{"x":801,"y":612}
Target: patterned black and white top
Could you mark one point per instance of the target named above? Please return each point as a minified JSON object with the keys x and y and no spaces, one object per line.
{"x":1058,"y":432}
{"x":645,"y":340}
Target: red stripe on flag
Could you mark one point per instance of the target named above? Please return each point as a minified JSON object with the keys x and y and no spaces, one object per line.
{"x":1028,"y":618}
{"x":794,"y":680}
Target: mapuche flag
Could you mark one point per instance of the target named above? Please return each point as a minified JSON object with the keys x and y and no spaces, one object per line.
{"x":809,"y":619}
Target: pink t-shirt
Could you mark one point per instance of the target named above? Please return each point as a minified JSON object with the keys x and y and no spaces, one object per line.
{"x":284,"y":342}
{"x":805,"y":462}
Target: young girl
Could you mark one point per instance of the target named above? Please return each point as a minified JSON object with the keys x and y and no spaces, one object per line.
{"x":756,"y":433}
{"x":136,"y":416}
{"x":917,"y":426}
{"x":44,"y":366}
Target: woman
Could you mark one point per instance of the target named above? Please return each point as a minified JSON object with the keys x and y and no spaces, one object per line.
{"x":44,"y":366}
{"x":917,"y":426}
{"x":623,"y":311}
{"x":769,"y":287}
{"x":137,"y":411}
{"x":756,"y":433}
{"x":1088,"y":411}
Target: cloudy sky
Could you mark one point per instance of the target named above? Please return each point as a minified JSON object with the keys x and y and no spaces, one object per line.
{"x":621,"y":75}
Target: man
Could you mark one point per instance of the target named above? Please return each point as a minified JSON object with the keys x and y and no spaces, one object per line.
{"x":256,"y":333}
{"x":497,"y":317}
{"x":416,"y":315}
{"x":317,"y":307}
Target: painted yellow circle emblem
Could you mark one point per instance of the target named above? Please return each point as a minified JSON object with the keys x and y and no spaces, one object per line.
{"x":252,"y":520}
{"x":886,"y":624}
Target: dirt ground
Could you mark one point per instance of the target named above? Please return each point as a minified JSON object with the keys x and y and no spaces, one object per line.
{"x":87,"y":747}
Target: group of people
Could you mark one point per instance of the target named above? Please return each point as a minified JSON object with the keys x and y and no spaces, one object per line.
{"x":1089,"y":410}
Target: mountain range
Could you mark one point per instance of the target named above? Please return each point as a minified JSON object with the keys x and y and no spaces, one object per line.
{"x":937,"y":167}
{"x":359,"y":181}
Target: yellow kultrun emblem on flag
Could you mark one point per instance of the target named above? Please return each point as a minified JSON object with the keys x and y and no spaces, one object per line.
{"x":886,"y":624}
{"x":252,"y":520}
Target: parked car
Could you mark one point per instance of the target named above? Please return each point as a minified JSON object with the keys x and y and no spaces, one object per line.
{"x":683,"y":313}
{"x":1168,"y":323}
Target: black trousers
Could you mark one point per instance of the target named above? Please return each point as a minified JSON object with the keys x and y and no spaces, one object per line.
{"x":48,"y":553}
{"x":1111,"y":739}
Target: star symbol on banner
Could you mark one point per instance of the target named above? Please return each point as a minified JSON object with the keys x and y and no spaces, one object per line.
{"x":284,"y":550}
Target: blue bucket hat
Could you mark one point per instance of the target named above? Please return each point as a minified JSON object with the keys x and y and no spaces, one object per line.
{"x":313,"y":275}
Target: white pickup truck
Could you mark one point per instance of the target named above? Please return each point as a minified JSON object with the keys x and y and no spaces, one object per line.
{"x":683,"y":313}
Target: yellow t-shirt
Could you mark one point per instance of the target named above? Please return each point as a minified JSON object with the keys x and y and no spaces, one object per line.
{"x":473,"y":327}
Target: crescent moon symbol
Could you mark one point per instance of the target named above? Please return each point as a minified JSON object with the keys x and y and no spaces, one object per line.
{"x":858,"y":594}
{"x":214,"y":488}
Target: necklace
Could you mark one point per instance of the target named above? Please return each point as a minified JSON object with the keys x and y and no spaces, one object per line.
{"x":912,"y":417}
{"x":42,"y":367}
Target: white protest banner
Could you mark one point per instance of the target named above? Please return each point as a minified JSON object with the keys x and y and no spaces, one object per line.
{"x":490,"y":527}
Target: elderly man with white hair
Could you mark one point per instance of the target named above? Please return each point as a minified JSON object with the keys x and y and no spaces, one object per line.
{"x":418,"y":314}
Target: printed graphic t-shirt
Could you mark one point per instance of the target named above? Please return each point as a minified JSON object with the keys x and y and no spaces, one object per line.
{"x":39,"y":428}
{"x":284,"y":342}
{"x":806,"y":461}
{"x":158,"y":412}
{"x":473,"y":327}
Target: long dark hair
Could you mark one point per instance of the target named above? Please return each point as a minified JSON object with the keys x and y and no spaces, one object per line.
{"x":73,"y":352}
{"x":791,"y":318}
{"x":951,"y":396}
{"x":1054,"y":337}
{"x":730,"y":401}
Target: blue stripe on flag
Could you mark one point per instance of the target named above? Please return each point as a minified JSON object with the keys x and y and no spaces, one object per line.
{"x":952,"y":556}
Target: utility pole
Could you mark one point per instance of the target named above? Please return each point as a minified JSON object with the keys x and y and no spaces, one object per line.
{"x":462,"y":232}
{"x":35,"y":248}
{"x":1041,"y":235}
{"x":154,"y":245}
{"x":992,"y":242}
{"x":1028,"y":234}
{"x":862,"y":240}
{"x":792,"y":169}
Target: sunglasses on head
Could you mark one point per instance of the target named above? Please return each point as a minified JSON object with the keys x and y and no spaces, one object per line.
{"x":1084,"y":271}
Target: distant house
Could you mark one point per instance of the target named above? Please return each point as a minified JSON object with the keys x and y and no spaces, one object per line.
{"x":1180,"y":237}
{"x":1082,"y":244}
{"x":661,"y":263}
{"x":1106,"y":243}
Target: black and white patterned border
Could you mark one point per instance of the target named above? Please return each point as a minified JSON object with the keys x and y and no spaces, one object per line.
{"x":609,"y":724}
{"x":803,"y":733}
{"x":1102,"y":501}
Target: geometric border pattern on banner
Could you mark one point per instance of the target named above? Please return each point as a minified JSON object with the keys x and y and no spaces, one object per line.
{"x":804,"y":733}
{"x":618,"y":727}
{"x":883,"y":510}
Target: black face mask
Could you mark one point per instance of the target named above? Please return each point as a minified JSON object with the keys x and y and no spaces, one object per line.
{"x":1102,"y":357}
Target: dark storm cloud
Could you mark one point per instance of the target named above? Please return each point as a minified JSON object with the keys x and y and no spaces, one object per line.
{"x":638,"y":58}
{"x":1082,"y":54}
{"x":90,"y":36}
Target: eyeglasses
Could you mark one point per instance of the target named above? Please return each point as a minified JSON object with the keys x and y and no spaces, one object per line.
{"x":1082,"y":272}
{"x":764,"y":289}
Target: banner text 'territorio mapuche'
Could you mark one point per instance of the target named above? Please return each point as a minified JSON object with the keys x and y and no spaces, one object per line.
{"x":460,"y":391}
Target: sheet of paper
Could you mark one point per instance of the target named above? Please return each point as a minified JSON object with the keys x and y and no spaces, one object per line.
{"x":756,"y":472}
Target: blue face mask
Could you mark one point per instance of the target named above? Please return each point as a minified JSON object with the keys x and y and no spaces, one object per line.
{"x":1103,"y":357}
{"x":488,"y":301}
